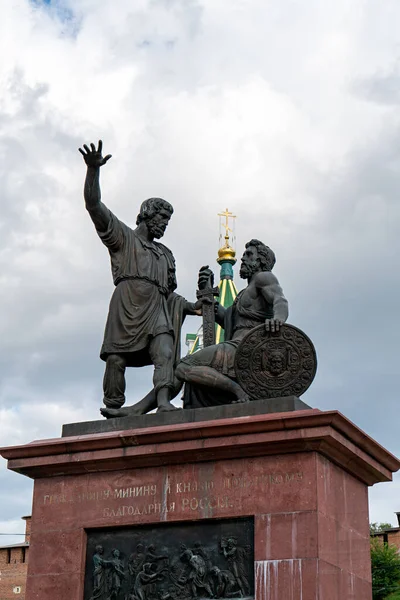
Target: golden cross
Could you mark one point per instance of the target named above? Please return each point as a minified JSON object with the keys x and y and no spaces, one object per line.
{"x":228,"y":215}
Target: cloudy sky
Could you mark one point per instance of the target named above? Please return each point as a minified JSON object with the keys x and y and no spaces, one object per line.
{"x":286,"y":111}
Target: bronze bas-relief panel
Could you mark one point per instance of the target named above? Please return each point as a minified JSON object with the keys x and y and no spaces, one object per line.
{"x":174,"y":561}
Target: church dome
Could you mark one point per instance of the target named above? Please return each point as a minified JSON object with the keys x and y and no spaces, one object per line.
{"x":226,"y":253}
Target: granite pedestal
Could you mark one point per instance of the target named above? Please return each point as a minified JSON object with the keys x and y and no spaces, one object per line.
{"x":299,"y":479}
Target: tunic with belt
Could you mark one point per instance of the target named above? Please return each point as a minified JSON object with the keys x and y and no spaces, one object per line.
{"x":142,"y":305}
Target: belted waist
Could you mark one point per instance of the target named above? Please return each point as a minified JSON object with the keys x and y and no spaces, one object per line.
{"x":161,"y":289}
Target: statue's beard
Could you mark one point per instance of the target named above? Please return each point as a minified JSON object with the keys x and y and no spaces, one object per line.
{"x":248,"y":269}
{"x":155,"y":229}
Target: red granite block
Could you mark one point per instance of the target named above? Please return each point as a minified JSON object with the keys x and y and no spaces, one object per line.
{"x":342,"y":495}
{"x":286,"y":580}
{"x":307,"y":579}
{"x":338,"y":584}
{"x":329,"y":434}
{"x":303,"y":477}
{"x":343,"y":547}
{"x":194,"y":491}
{"x":57,"y":551}
{"x":54,"y":586}
{"x":270,"y":484}
{"x":286,"y":535}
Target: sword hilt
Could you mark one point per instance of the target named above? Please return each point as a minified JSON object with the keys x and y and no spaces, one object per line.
{"x":207,"y":292}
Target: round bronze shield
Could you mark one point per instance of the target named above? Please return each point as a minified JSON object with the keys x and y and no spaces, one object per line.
{"x":271,"y":365}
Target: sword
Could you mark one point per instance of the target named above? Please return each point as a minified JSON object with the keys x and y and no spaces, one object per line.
{"x":207,"y":295}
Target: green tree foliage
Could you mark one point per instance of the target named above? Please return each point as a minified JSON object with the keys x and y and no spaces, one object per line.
{"x":377,"y":527}
{"x":385,"y":563}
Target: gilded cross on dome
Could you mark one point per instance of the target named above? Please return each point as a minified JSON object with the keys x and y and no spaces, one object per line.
{"x":226,"y":254}
{"x":228,"y":215}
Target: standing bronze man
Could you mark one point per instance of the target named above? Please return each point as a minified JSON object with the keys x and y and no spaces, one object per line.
{"x":144,"y":319}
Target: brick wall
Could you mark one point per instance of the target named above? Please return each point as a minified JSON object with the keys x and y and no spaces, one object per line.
{"x":394,"y":538}
{"x":391,"y":537}
{"x":13,"y":569}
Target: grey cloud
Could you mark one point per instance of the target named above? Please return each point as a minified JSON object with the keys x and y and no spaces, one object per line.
{"x":226,"y":117}
{"x":20,"y":490}
{"x":381,"y":88}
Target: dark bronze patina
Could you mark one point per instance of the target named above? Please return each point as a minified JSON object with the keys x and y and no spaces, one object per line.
{"x":211,"y":371}
{"x":211,"y":559}
{"x":273,"y":364}
{"x":206,"y":295}
{"x":257,"y":359}
{"x":145,"y":315}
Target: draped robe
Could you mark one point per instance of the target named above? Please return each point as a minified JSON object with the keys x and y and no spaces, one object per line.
{"x":238,"y":320}
{"x":143,"y":304}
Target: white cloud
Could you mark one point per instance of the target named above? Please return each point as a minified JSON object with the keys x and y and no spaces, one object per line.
{"x":12,"y":532}
{"x":283,"y":111}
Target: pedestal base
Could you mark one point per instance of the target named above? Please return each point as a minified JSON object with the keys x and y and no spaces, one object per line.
{"x":300,"y":479}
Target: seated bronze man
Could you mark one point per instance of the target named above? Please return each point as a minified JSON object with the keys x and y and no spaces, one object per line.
{"x":262,"y":301}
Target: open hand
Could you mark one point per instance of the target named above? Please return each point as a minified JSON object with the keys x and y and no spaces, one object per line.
{"x":92,"y":157}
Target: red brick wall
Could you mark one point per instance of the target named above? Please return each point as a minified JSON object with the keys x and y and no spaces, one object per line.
{"x":13,"y":573}
{"x":394,"y":538}
{"x":13,"y":568}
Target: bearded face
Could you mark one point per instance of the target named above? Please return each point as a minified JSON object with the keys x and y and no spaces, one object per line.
{"x":157,"y":224}
{"x":249,"y":263}
{"x":276,"y":363}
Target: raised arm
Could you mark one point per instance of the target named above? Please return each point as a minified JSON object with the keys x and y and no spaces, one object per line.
{"x":94,"y":160}
{"x":273,"y":294}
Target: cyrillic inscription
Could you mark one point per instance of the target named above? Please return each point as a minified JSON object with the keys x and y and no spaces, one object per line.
{"x":191,"y":495}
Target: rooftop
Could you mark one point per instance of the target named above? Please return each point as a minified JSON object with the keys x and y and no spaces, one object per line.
{"x":20,"y":545}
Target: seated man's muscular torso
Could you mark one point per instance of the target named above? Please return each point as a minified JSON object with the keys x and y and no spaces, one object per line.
{"x":262,"y":301}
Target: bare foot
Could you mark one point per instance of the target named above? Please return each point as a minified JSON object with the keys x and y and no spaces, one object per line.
{"x":241,"y":399}
{"x":167,"y":407}
{"x":126,"y":411}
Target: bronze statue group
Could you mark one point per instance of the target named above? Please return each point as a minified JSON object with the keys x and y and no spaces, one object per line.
{"x":146,"y":314}
{"x":183,"y":574}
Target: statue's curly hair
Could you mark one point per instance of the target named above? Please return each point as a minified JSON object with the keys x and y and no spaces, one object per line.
{"x":151,"y":207}
{"x":266,"y":256}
